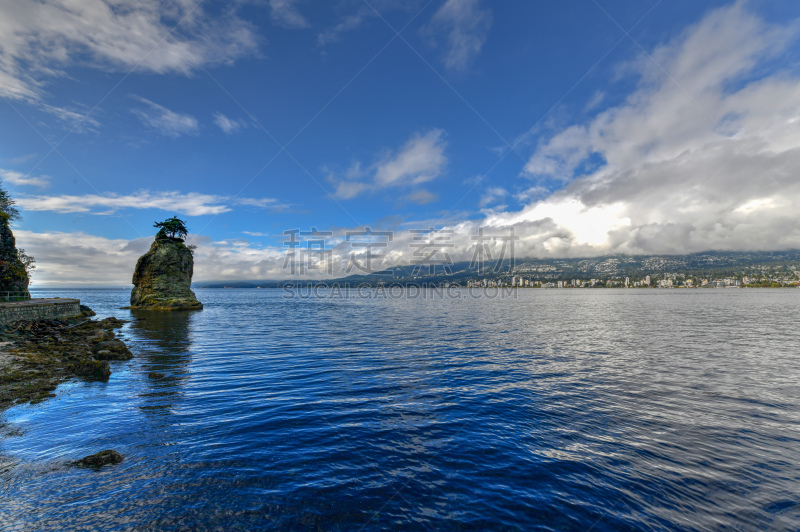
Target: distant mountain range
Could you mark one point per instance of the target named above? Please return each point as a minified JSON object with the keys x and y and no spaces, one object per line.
{"x":735,"y":264}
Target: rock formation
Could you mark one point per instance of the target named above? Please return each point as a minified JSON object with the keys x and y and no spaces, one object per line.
{"x":163,"y":277}
{"x":98,"y":460}
{"x":13,"y":277}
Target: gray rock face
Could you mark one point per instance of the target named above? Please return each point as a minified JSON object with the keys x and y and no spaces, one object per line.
{"x":13,"y":277}
{"x":163,"y":278}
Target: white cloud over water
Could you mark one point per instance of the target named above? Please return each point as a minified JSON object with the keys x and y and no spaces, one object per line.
{"x":80,"y":259}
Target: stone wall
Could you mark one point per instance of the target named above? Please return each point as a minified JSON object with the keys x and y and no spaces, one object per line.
{"x":39,"y":309}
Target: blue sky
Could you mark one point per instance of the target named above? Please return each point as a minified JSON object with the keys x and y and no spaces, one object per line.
{"x":591,"y":127}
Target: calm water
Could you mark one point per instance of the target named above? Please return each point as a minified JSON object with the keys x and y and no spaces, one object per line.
{"x":560,"y":410}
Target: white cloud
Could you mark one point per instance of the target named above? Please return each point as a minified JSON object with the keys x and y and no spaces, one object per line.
{"x":465,"y":26}
{"x":89,"y":260}
{"x":348,"y":23}
{"x":421,"y":197}
{"x":350,"y":189}
{"x":492,"y":195}
{"x":363,"y":13}
{"x":38,"y":40}
{"x":167,"y":122}
{"x":419,"y":160}
{"x":229,"y":126}
{"x":595,"y":101}
{"x":191,"y":204}
{"x":701,"y":156}
{"x":23,"y":158}
{"x":285,"y":13}
{"x":18,"y":178}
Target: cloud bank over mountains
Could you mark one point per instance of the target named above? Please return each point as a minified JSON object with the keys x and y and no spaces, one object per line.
{"x":701,"y":156}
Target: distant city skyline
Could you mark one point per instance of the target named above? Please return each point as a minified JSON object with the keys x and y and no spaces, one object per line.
{"x":583,"y":129}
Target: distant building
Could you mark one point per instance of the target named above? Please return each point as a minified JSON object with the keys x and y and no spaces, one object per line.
{"x":647,"y":280}
{"x":627,"y":282}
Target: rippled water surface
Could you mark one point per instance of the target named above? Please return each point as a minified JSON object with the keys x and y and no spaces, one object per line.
{"x":557,"y":410}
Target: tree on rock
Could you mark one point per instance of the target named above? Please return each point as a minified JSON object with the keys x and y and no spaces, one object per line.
{"x":7,"y":205}
{"x":172,"y":228}
{"x":162,"y":279}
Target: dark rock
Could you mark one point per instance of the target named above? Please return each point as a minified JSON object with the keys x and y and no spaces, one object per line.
{"x":100,"y":459}
{"x":100,"y":336}
{"x":86,"y":311}
{"x":111,"y":323}
{"x":155,"y":375}
{"x":92,"y":369}
{"x":163,"y":278}
{"x":13,"y":277}
{"x":111,"y":350}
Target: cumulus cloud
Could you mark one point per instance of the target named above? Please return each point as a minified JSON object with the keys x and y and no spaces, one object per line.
{"x":419,"y":160}
{"x":38,"y":40}
{"x":167,"y":122}
{"x":702,"y":155}
{"x":191,"y":204}
{"x":464,"y":27}
{"x":285,"y":13}
{"x":229,"y":126}
{"x":18,"y":178}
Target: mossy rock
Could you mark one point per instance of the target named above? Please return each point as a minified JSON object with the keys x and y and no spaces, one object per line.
{"x":92,"y":369}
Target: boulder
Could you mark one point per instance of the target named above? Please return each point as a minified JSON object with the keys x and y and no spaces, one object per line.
{"x":163,"y":278}
{"x":13,"y":277}
{"x":100,"y":459}
{"x":92,"y":369}
{"x":111,"y":350}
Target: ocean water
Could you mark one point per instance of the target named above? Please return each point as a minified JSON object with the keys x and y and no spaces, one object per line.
{"x":552,"y":410}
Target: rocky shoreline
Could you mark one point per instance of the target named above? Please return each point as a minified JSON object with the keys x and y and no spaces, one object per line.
{"x":37,"y":356}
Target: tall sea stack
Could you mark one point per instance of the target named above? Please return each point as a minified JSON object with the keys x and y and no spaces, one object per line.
{"x":163,"y":277}
{"x":13,"y":277}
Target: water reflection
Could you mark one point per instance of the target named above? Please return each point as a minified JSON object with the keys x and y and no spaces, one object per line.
{"x":166,"y":356}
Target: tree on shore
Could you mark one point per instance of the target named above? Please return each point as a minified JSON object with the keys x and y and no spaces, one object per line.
{"x":15,"y":264}
{"x":27,"y":261}
{"x":7,"y":205}
{"x":172,"y":228}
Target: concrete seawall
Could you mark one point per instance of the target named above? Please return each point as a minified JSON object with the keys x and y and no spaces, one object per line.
{"x":39,"y":309}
